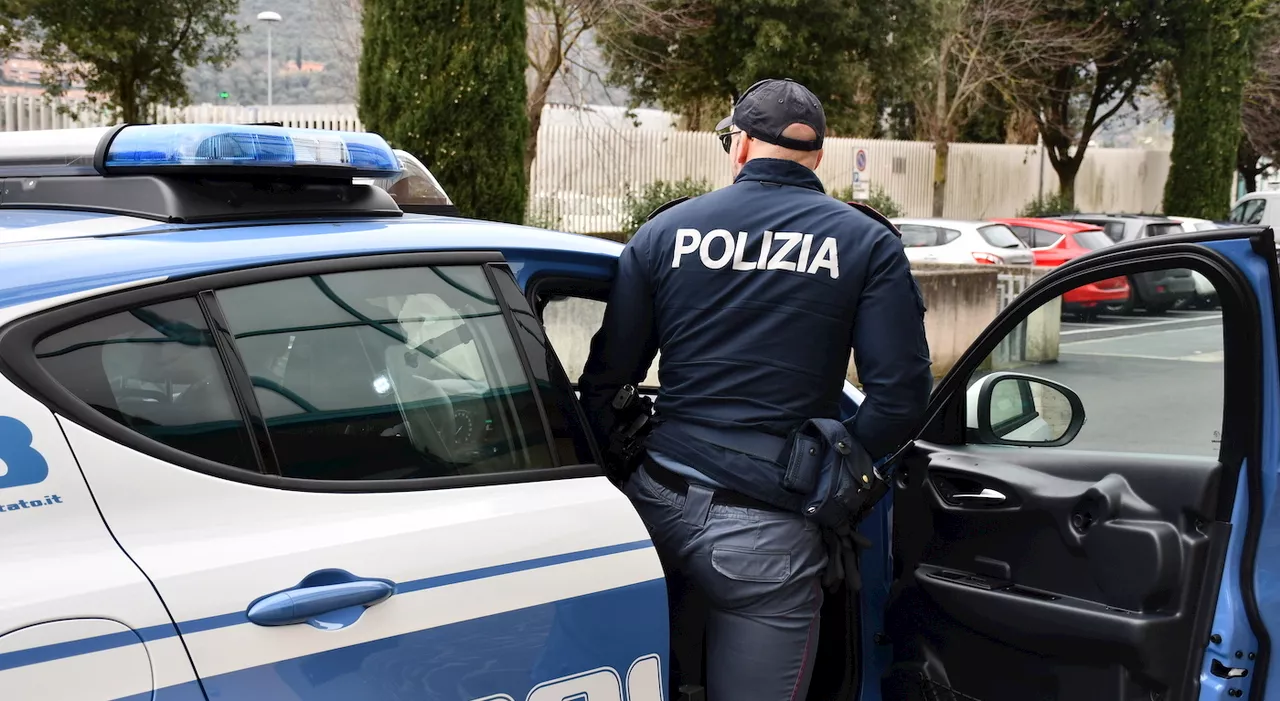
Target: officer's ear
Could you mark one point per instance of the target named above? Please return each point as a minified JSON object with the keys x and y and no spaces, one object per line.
{"x":818,"y":160}
{"x":742,"y":153}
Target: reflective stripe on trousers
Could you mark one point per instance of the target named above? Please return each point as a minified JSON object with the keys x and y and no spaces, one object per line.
{"x":756,"y":577}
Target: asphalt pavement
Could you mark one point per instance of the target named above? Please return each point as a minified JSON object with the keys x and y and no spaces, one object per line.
{"x":1148,"y":383}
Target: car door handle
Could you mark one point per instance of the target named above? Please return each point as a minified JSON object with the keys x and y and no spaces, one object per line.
{"x":989,"y":496}
{"x":327,"y":599}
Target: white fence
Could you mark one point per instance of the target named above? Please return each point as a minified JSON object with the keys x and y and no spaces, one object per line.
{"x":22,"y":113}
{"x":585,"y":168}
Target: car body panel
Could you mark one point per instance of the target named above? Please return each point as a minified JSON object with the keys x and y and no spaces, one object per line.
{"x":32,"y":272}
{"x":90,"y":598}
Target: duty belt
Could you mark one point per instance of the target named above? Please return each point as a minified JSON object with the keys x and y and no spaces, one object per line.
{"x":680,"y":485}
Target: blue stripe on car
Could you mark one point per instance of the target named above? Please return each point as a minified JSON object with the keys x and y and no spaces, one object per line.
{"x":83,"y":646}
{"x":506,"y":653}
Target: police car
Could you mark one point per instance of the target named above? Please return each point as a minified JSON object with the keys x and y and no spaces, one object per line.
{"x":267,"y":432}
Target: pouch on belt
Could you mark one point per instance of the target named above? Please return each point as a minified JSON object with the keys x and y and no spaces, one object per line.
{"x":837,"y":481}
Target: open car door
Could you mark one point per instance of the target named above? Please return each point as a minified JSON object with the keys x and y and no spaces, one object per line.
{"x":1083,"y":515}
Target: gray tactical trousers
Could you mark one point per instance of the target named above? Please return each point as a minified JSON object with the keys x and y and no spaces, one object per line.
{"x":753,"y":576}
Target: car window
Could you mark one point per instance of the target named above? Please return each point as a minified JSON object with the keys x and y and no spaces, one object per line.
{"x":1092,"y":240}
{"x":949,"y":235}
{"x":1023,"y":233}
{"x":1248,"y":212}
{"x":1114,"y":230}
{"x":387,"y":374}
{"x":1000,"y":236}
{"x":1118,"y":362}
{"x":1043,"y":239}
{"x":1164,"y":229}
{"x":1255,"y":216}
{"x":570,"y":323}
{"x":917,"y":236}
{"x":154,"y":370}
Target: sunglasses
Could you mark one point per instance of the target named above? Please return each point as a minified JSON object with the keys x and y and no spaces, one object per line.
{"x":726,"y":139}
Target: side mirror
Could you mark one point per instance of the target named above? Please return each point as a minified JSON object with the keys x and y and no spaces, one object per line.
{"x":1008,"y":408}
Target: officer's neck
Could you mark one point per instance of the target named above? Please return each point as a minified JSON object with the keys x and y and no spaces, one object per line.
{"x":779,"y":170}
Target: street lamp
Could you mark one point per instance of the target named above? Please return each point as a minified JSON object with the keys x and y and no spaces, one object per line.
{"x":270,"y":18}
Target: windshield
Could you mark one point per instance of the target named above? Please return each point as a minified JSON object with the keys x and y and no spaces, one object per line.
{"x":1000,"y":236}
{"x":1092,"y":240}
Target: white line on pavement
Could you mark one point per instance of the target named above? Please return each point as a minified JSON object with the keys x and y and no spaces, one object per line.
{"x":1147,"y":324}
{"x":1210,"y":357}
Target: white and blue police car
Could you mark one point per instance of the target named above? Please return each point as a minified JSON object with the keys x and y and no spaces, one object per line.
{"x":276,"y":423}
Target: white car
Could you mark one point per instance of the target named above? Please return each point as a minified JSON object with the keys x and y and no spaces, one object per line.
{"x":1206,"y":294}
{"x":962,"y":242}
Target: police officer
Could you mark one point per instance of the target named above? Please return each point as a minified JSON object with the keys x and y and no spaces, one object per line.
{"x":754,"y":295}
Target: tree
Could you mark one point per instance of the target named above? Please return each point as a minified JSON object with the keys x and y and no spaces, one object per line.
{"x":1070,"y":100}
{"x":444,"y":80}
{"x":1260,"y":114}
{"x":980,"y":47}
{"x":830,"y":46}
{"x":129,"y":54}
{"x":1212,"y":65}
{"x":559,"y":28}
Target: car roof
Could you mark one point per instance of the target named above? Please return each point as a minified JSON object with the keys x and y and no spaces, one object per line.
{"x":1057,"y":226}
{"x":947,"y":223}
{"x":34,"y":269}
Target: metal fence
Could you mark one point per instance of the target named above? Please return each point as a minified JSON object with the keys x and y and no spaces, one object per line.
{"x":586,"y":166}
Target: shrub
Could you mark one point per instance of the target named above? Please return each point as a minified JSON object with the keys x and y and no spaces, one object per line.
{"x":879,"y":200}
{"x":654,"y":195}
{"x":1057,"y":203}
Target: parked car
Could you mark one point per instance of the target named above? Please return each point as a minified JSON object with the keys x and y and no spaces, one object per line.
{"x":1206,"y":294}
{"x":1154,"y":292}
{"x":1053,"y":243}
{"x":962,"y":242}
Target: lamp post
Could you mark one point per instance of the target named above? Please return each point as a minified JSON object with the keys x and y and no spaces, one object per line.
{"x":270,"y":18}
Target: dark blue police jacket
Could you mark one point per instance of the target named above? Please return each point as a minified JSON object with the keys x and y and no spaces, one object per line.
{"x":755,"y":294}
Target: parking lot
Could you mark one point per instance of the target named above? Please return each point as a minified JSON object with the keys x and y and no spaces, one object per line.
{"x":1148,"y":383}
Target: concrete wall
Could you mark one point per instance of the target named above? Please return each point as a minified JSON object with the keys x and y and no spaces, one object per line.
{"x":960,"y":301}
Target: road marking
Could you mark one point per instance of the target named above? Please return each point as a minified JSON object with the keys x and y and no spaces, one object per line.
{"x":1210,"y":357}
{"x":1147,"y":324}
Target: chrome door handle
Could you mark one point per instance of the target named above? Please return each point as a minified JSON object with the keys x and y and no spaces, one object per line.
{"x":986,"y":495}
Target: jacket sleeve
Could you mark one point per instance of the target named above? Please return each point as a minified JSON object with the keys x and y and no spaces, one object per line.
{"x":890,"y":352}
{"x":625,"y":345}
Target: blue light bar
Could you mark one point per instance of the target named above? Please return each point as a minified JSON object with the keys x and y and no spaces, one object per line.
{"x":243,"y":148}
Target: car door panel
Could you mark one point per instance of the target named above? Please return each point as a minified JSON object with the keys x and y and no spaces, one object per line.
{"x":1060,"y":573}
{"x":1089,"y":557}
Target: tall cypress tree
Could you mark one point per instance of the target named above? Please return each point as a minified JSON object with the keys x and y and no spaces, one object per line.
{"x":444,"y":80}
{"x":1210,"y":69}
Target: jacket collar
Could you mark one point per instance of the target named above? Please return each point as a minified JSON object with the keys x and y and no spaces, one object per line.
{"x":782,"y":172}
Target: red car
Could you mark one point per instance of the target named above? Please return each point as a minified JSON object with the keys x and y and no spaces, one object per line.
{"x":1054,"y":242}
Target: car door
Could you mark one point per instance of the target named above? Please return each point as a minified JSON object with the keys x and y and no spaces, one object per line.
{"x":1094,"y":520}
{"x":355,"y":479}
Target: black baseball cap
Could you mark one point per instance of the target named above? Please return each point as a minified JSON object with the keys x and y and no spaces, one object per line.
{"x":770,"y":106}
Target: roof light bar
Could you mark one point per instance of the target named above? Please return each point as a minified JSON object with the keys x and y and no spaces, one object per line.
{"x":154,"y":148}
{"x":147,"y":149}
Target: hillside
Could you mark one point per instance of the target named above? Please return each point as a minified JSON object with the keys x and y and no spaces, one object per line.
{"x":321,"y":34}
